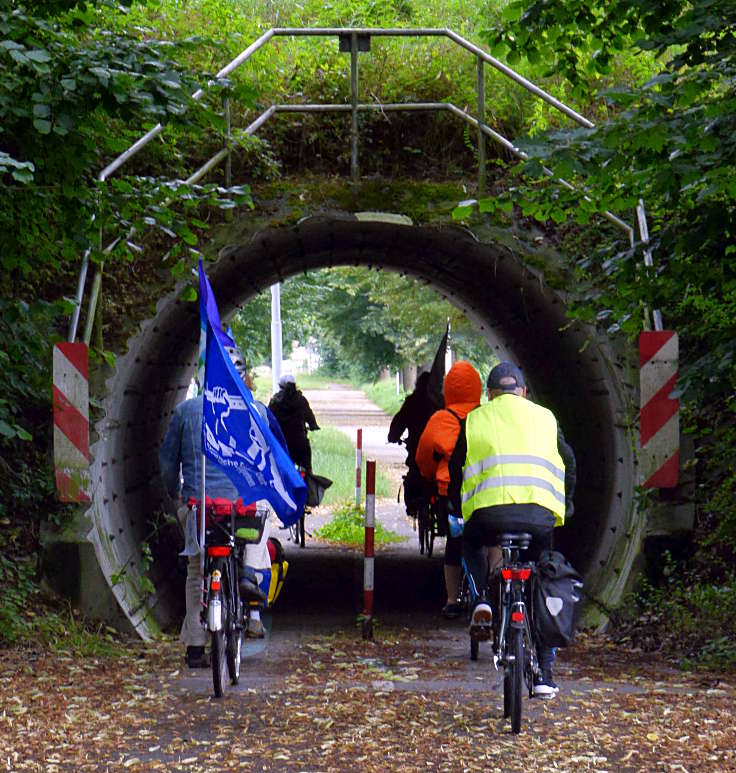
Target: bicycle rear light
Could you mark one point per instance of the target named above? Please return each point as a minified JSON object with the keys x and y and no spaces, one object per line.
{"x":218,"y":550}
{"x":517,"y":617}
{"x":516,"y":573}
{"x":215,"y":582}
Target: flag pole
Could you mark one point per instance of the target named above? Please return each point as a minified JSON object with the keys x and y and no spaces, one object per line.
{"x":202,"y":516}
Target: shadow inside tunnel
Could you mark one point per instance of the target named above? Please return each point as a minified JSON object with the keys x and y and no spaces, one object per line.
{"x":324,"y":586}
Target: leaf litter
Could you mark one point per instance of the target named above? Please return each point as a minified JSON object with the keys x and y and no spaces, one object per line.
{"x":338,"y":703}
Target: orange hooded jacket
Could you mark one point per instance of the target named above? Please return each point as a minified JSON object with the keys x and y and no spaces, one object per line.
{"x":462,"y":390}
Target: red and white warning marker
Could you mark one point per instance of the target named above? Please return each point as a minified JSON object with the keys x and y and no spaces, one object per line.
{"x":71,"y":421}
{"x":368,"y":569}
{"x":358,"y":464}
{"x":660,"y":412}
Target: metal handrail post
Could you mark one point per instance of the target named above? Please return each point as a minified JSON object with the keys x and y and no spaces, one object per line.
{"x":354,"y":34}
{"x":94,"y":293}
{"x":641,"y":217}
{"x":520,"y":79}
{"x":74,"y":322}
{"x":481,"y":89}
{"x":354,"y":170}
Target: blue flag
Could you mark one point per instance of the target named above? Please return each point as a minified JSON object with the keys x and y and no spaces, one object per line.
{"x":235,"y":437}
{"x":208,"y":310}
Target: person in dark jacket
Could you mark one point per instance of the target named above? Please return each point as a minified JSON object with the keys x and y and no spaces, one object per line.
{"x":412,"y":418}
{"x":294,"y":415}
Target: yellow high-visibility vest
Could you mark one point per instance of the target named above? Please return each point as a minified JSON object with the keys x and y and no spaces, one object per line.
{"x":512,"y":457}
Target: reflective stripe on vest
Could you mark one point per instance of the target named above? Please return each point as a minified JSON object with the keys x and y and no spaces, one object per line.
{"x":512,"y":457}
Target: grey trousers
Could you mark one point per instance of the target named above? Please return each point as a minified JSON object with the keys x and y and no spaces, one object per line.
{"x":192,"y":633}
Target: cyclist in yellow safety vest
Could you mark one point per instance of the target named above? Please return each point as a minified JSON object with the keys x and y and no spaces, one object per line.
{"x":511,"y":471}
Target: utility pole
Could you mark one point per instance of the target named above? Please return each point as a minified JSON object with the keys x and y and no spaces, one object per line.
{"x":276,"y":351}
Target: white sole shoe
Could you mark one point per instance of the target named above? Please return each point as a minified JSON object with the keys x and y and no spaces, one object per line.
{"x":480,"y":623}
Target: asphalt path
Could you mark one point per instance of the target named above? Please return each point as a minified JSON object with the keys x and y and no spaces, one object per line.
{"x":315,"y":696}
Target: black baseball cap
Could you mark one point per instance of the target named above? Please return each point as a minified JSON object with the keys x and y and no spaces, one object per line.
{"x":506,"y":377}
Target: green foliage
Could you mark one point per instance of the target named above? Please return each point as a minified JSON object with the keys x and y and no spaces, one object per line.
{"x":69,"y":632}
{"x":28,"y":332}
{"x":348,"y":527}
{"x":383,"y":394}
{"x":361,"y":321}
{"x":16,"y":590}
{"x":695,"y":619}
{"x":667,"y":140}
{"x":68,"y":92}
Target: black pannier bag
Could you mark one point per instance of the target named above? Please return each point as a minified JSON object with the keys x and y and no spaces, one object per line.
{"x":316,"y":487}
{"x":557,"y":592}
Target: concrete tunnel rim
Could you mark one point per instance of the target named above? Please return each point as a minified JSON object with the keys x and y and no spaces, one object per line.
{"x":139,"y":612}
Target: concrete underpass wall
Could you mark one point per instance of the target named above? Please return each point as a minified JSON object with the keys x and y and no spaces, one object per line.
{"x":585,"y":381}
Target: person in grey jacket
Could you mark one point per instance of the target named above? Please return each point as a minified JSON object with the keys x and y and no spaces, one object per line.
{"x":180,"y":461}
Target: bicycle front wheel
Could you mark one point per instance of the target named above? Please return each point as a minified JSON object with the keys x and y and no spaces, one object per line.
{"x":219,"y":660}
{"x":516,"y":677}
{"x":219,"y":598}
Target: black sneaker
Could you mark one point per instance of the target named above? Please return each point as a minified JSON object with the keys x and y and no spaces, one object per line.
{"x":451,"y":610}
{"x":544,"y":686}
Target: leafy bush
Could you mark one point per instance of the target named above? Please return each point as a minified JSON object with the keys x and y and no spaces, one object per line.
{"x":348,"y":527}
{"x":693,"y":619}
{"x":16,"y":589}
{"x":28,"y":332}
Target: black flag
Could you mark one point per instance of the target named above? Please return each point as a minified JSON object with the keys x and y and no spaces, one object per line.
{"x":437,"y":373}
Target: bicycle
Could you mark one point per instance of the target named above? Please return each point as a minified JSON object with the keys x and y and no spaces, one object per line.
{"x":228,"y":528}
{"x":296,"y":530}
{"x":513,"y":632}
{"x":419,"y":507}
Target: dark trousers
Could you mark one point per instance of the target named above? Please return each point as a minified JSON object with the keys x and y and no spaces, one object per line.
{"x":482,"y":530}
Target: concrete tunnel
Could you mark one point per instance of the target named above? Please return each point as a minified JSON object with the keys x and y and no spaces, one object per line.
{"x":584,"y":380}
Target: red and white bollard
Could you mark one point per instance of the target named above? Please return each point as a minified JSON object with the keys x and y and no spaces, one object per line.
{"x":370,"y":523}
{"x":358,"y":464}
{"x":71,"y":421}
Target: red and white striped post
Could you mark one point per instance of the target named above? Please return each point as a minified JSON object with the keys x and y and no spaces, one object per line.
{"x":370,"y":523}
{"x":71,"y":421}
{"x":358,"y":464}
{"x":660,"y":424}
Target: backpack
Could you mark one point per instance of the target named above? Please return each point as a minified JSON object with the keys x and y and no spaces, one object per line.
{"x":556,"y":599}
{"x":316,"y":487}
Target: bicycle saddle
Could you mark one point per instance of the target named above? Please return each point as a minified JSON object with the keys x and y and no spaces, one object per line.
{"x":520,"y":539}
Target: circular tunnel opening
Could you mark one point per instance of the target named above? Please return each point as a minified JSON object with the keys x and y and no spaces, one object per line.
{"x":581,"y":380}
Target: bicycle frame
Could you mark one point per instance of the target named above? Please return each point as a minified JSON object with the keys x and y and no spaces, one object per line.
{"x":512,"y":604}
{"x":212,"y":578}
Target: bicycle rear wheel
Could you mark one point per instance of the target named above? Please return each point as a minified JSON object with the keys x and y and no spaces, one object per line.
{"x":422,"y":528}
{"x":219,"y":651}
{"x":516,"y":678}
{"x":234,"y":634}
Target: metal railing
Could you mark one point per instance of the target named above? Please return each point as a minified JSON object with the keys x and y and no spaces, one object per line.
{"x":354,"y":40}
